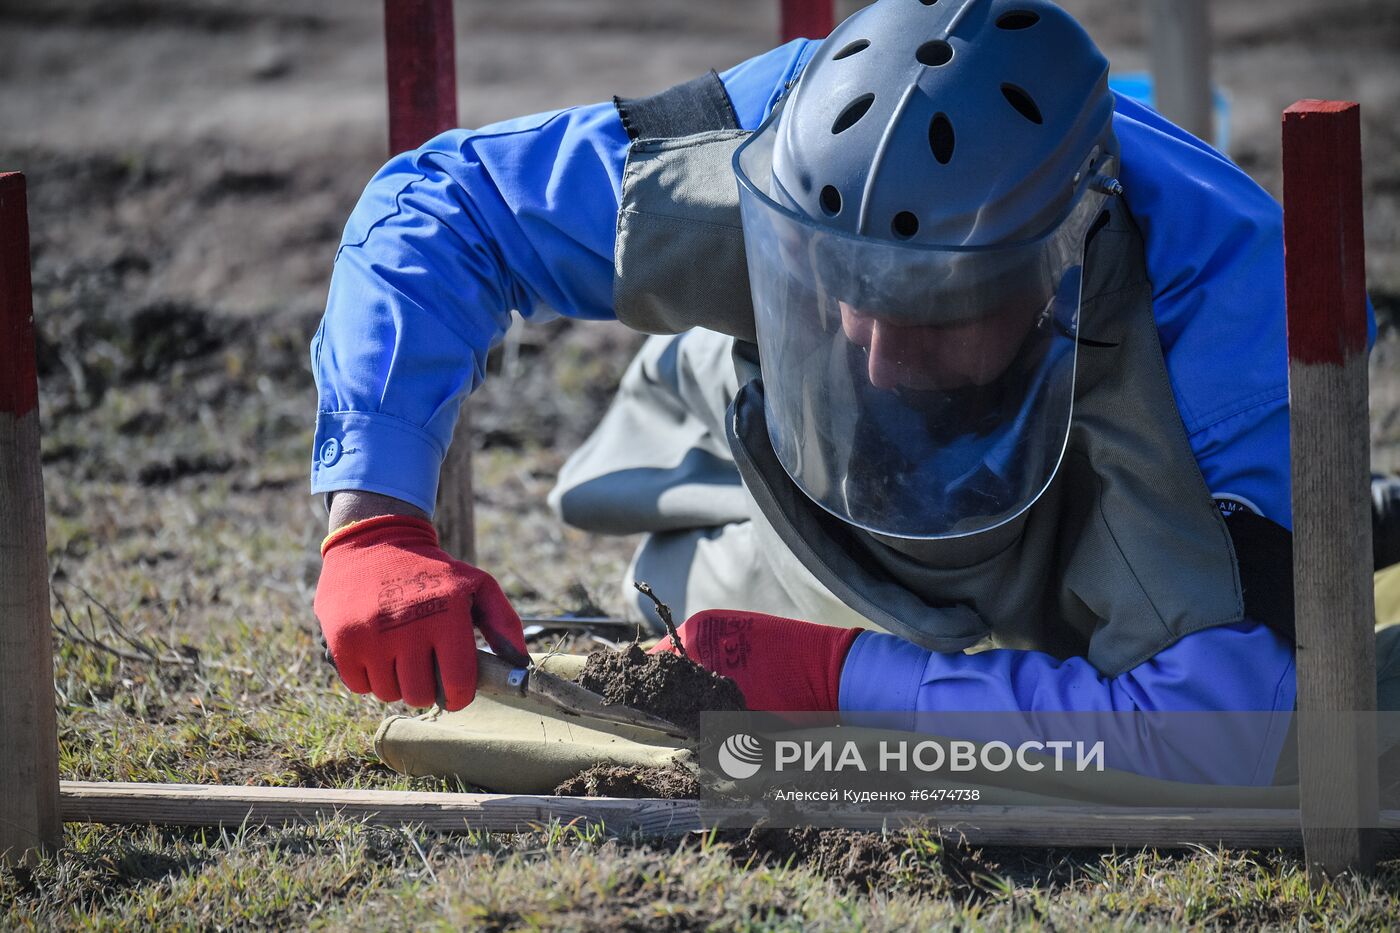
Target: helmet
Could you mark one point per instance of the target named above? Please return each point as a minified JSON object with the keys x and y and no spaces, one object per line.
{"x":955,"y":121}
{"x":915,"y":214}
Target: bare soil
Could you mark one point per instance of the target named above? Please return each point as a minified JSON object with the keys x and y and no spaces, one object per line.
{"x":666,"y":685}
{"x":635,"y":782}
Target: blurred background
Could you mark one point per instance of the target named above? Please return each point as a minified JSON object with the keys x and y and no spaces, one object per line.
{"x":191,"y":164}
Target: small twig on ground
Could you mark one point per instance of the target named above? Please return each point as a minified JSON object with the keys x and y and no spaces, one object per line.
{"x":144,"y":654}
{"x":664,"y":611}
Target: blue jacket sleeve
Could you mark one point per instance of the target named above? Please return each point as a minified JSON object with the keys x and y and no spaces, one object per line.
{"x":1243,"y":669}
{"x":1214,"y":249}
{"x":449,"y":239}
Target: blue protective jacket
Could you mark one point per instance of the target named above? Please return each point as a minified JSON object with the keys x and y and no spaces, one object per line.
{"x":448,"y":239}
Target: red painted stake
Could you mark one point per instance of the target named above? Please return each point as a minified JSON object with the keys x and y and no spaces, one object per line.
{"x":1327,"y":384}
{"x":806,"y":19}
{"x":422,"y":71}
{"x":1323,"y":244}
{"x":19,"y":389}
{"x":29,"y":816}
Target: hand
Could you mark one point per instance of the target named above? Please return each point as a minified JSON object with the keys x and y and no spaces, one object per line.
{"x":398,"y":613}
{"x":780,"y":665}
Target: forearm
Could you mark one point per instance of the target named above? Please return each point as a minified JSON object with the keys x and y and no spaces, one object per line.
{"x":353,"y":505}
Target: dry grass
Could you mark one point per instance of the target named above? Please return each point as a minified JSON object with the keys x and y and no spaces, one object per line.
{"x":268,"y":711}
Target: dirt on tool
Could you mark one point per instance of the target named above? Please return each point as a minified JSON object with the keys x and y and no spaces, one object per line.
{"x":666,"y":685}
{"x":675,"y":783}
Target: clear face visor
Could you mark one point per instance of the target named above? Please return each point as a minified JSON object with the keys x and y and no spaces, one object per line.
{"x":914,"y":391}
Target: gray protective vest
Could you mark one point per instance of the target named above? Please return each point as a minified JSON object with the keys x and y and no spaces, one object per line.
{"x":1124,"y":554}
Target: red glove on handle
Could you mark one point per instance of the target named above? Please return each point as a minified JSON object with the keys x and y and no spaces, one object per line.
{"x":780,"y":665}
{"x":398,"y":613}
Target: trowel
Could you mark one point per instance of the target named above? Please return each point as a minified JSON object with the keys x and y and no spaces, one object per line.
{"x":495,"y":676}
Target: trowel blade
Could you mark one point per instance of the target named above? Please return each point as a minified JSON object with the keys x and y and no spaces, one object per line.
{"x":570,"y":697}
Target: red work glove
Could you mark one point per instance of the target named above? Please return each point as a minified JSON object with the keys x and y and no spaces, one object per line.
{"x":780,"y":665}
{"x":398,"y":613}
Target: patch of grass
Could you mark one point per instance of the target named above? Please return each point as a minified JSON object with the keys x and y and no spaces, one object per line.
{"x":267,"y":710}
{"x":274,"y":716}
{"x":345,"y":875}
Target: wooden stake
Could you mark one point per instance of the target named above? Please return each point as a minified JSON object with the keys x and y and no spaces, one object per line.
{"x":199,"y":805}
{"x":1178,"y":38}
{"x":28,"y":723}
{"x":422,"y":71}
{"x":1327,"y":388}
{"x":806,"y":19}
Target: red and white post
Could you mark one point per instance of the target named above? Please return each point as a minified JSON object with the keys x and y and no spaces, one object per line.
{"x":806,"y":19}
{"x":29,"y":815}
{"x":420,"y":49}
{"x":1329,"y":413}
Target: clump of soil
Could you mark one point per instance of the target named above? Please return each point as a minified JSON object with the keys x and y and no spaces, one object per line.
{"x":635,"y":782}
{"x":666,"y":685}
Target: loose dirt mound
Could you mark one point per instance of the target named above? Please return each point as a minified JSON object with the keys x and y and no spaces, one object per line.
{"x":634,"y":782}
{"x":665,"y":685}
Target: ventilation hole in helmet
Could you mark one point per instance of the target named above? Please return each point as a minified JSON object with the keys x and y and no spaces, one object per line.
{"x":853,"y":112}
{"x":940,"y":138}
{"x":860,"y":45}
{"x":1017,"y":19}
{"x":831,"y":201}
{"x":904,"y":225}
{"x":934,"y":53}
{"x":928,"y":2}
{"x":1022,"y":102}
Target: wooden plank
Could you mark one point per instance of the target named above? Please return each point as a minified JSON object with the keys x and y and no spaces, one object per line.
{"x":28,"y":722}
{"x":219,"y":805}
{"x":1327,"y":386}
{"x":1128,"y":827}
{"x":1179,"y":46}
{"x":420,"y":53}
{"x":199,"y":805}
{"x":806,"y":19}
